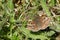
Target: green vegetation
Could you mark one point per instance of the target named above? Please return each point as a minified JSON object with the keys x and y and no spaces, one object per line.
{"x":14,"y":16}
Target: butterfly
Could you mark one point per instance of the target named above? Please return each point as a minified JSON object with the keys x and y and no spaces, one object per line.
{"x":40,"y":22}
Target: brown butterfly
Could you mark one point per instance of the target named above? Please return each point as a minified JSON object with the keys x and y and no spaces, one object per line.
{"x":40,"y":22}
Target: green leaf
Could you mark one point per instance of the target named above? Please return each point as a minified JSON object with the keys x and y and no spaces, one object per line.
{"x":10,"y":4}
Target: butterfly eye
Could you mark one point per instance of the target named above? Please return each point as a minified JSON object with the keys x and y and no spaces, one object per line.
{"x":45,"y":18}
